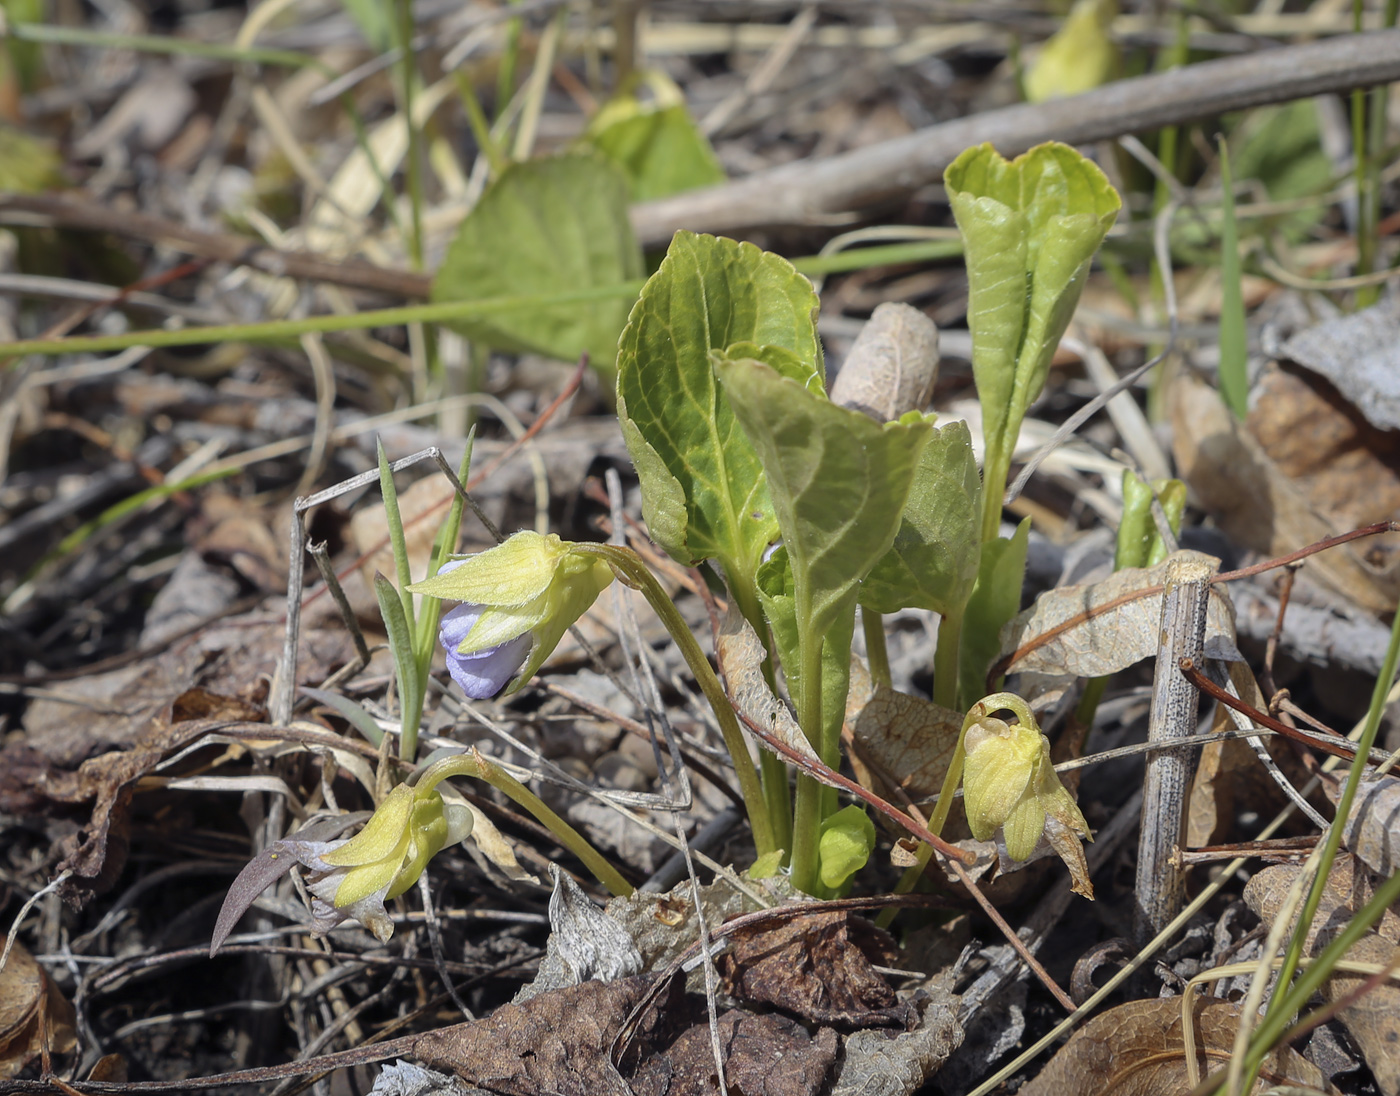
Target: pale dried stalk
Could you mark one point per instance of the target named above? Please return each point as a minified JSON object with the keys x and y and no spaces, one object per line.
{"x":1161,"y":886}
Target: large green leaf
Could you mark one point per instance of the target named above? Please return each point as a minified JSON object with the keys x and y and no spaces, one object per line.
{"x":703,"y":490}
{"x":838,"y":482}
{"x":932,"y":563}
{"x":995,"y":599}
{"x":1030,"y":227}
{"x":660,"y":150}
{"x":546,"y":226}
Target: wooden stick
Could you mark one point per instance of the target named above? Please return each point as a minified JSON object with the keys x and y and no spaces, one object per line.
{"x":1161,"y":885}
{"x":808,"y":191}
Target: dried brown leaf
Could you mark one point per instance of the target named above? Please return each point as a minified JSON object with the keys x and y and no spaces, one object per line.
{"x":34,"y":1015}
{"x":815,"y":966}
{"x":1373,"y":1020}
{"x":1100,"y":628}
{"x":556,"y":1042}
{"x":1257,"y":505}
{"x":765,"y":1055}
{"x":740,"y":656}
{"x":902,"y":741}
{"x":892,"y":366}
{"x":1137,"y":1049}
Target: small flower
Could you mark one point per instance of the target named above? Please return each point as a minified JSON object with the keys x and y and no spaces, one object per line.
{"x":352,"y":879}
{"x":519,"y":596}
{"x":485,"y":673}
{"x":1010,"y":783}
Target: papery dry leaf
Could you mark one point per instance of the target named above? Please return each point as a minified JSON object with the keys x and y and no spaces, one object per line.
{"x":229,"y":659}
{"x":1257,"y":505}
{"x":902,"y":741}
{"x":1358,"y":354}
{"x":1372,"y":829}
{"x":1373,"y":1020}
{"x":557,"y":1042}
{"x":1100,"y":628}
{"x":766,"y":1055}
{"x":892,"y":366}
{"x":881,"y":1062}
{"x":1137,"y":1049}
{"x":1348,"y":889}
{"x":33,"y":1013}
{"x":740,"y":656}
{"x":97,"y":855}
{"x":815,"y":966}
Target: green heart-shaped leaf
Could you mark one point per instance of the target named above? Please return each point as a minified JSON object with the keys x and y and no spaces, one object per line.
{"x":703,"y":490}
{"x":932,"y":563}
{"x":546,"y":226}
{"x":838,"y":482}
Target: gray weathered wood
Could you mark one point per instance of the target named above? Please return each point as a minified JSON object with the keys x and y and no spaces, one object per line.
{"x":808,"y":191}
{"x":1175,"y":701}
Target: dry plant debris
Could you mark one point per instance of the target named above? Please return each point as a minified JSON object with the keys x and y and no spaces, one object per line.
{"x":245,"y":248}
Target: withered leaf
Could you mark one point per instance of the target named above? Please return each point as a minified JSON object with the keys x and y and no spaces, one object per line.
{"x":1100,"y":628}
{"x":740,"y":656}
{"x":1137,"y":1049}
{"x":815,"y":966}
{"x":881,"y":1062}
{"x":1373,"y":828}
{"x":1373,"y":1019}
{"x":1257,"y":505}
{"x":97,"y":855}
{"x":33,"y":1013}
{"x":905,"y":741}
{"x":892,"y":366}
{"x":556,"y":1042}
{"x":766,"y":1055}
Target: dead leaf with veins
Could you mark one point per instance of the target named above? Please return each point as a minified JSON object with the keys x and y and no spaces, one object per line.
{"x":34,"y":1015}
{"x":817,"y":966}
{"x":1099,"y":628}
{"x":1137,"y":1049}
{"x":740,"y":656}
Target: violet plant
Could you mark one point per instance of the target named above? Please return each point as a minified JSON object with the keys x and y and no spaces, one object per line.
{"x":803,"y":509}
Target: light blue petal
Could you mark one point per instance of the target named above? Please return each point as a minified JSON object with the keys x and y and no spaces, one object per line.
{"x":486,"y":673}
{"x":455,"y":625}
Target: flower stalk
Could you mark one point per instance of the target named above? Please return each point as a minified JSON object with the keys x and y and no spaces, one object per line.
{"x":628,"y":567}
{"x":473,"y":764}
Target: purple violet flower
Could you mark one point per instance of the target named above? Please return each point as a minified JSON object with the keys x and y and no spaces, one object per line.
{"x":485,"y":673}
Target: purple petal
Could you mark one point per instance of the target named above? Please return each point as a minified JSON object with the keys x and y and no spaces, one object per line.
{"x":455,"y":625}
{"x":487,"y":672}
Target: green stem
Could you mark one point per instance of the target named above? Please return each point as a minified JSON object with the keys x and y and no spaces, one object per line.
{"x":995,"y":466}
{"x":414,"y":173}
{"x":876,"y":653}
{"x":629,"y":567}
{"x":807,"y":818}
{"x":945,"y":661}
{"x":945,"y":693}
{"x":474,"y":765}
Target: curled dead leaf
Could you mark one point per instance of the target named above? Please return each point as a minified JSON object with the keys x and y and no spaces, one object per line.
{"x":902,"y":741}
{"x":34,"y":1015}
{"x":1099,"y":628}
{"x":1137,"y":1049}
{"x":740,"y":656}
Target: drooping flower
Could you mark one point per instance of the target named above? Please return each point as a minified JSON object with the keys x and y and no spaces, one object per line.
{"x":519,"y":596}
{"x":352,"y":879}
{"x":484,"y":673}
{"x":1009,"y":783}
